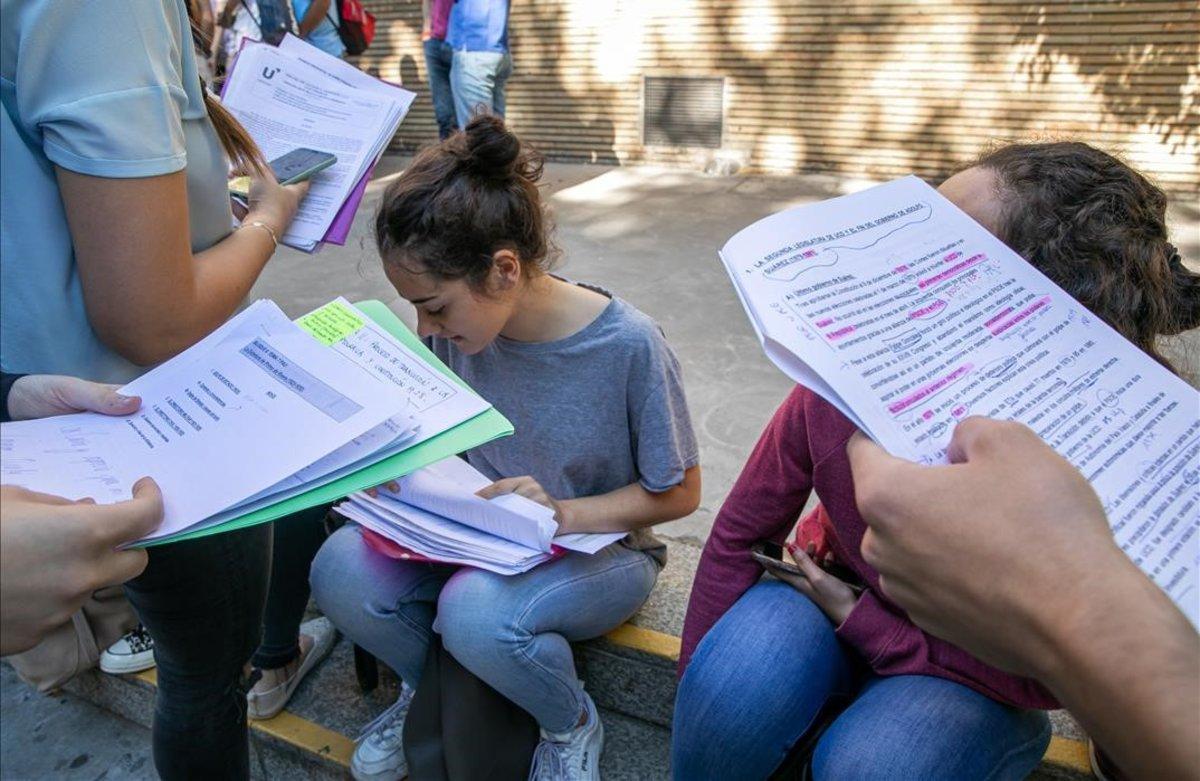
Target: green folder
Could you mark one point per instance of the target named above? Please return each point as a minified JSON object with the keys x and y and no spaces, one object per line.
{"x":484,"y":427}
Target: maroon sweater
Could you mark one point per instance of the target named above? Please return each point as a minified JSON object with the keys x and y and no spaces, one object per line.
{"x":802,"y":449}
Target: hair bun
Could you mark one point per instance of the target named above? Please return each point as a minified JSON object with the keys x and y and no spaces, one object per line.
{"x":492,"y":151}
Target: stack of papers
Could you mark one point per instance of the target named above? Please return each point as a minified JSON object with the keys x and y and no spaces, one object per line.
{"x":262,"y":418}
{"x":296,"y":95}
{"x":908,"y":316}
{"x":436,"y":515}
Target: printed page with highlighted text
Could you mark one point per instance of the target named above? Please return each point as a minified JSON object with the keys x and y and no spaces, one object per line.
{"x":217,"y":424}
{"x":908,"y":316}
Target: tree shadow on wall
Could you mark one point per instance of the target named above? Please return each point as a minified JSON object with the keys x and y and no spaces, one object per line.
{"x":1145,"y":76}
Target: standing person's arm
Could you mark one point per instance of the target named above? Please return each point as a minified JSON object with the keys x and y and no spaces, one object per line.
{"x":315,"y":14}
{"x":1007,"y":553}
{"x":109,"y":106}
{"x":148,"y":297}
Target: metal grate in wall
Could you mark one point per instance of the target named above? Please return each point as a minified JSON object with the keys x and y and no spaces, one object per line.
{"x":683,"y":111}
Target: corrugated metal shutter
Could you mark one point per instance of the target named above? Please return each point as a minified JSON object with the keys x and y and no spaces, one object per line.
{"x":682,"y":111}
{"x":855,"y":87}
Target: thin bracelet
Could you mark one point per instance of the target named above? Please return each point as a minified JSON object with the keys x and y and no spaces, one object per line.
{"x":270,"y":231}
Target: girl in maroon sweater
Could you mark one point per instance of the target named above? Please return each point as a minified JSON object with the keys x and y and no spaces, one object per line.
{"x":765,"y":664}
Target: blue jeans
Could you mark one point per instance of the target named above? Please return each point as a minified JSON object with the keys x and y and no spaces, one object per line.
{"x":438,"y":59}
{"x":513,"y":632}
{"x":760,"y":676}
{"x":477,"y":80}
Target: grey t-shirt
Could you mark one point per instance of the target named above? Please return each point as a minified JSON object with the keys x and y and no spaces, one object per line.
{"x":594,"y":412}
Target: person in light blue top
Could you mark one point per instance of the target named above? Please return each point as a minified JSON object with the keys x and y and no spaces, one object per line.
{"x":317,"y":22}
{"x":482,"y":65}
{"x":117,"y":251}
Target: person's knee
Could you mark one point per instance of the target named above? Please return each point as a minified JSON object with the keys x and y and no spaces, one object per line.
{"x":474,"y":619}
{"x":334,"y":587}
{"x":191,"y":702}
{"x":922,"y":727}
{"x":710,"y":718}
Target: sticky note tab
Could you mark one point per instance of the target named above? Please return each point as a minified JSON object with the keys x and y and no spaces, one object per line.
{"x":331,"y":323}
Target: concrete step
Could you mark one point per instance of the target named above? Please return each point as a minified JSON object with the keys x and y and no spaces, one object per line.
{"x":313,"y":738}
{"x":630,"y":673}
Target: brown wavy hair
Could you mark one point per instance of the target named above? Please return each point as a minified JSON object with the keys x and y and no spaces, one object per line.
{"x":1098,"y":229}
{"x":239,"y":147}
{"x":464,"y":199}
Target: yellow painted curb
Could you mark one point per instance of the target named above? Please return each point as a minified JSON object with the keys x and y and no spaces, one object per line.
{"x":310,"y":737}
{"x":293,"y":730}
{"x":646,"y":640}
{"x":1062,"y":752}
{"x":1068,"y":753}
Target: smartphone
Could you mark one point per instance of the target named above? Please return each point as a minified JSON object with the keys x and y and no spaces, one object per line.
{"x":770,"y":555}
{"x":300,"y":164}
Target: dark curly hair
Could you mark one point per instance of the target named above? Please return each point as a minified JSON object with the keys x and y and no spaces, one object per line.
{"x":1098,"y":229}
{"x":463,"y":200}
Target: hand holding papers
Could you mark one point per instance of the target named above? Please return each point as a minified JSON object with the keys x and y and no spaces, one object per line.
{"x":224,"y":419}
{"x":908,"y":316}
{"x":437,"y":515}
{"x":295,"y":95}
{"x":262,"y":418}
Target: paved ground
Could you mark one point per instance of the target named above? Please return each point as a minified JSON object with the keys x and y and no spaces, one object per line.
{"x":650,"y":235}
{"x":62,"y":737}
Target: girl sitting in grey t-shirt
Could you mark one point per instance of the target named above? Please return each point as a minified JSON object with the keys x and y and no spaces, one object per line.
{"x":602,"y":436}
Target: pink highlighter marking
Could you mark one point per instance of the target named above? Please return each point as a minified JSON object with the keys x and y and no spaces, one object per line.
{"x":925,"y":311}
{"x":1025,"y":314}
{"x":833,"y":336}
{"x":825,"y":322}
{"x":1003,"y":313}
{"x":930,"y":389}
{"x":900,"y":269}
{"x":974,"y":260}
{"x":952,"y":256}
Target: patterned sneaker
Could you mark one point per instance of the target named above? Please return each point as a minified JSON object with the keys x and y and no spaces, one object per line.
{"x":133,"y":653}
{"x":571,"y":756}
{"x":380,"y":752}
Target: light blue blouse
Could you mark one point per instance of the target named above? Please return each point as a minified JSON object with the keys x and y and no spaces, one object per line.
{"x":103,"y":89}
{"x":325,"y":35}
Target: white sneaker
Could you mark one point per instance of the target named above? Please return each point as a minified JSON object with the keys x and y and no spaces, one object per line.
{"x":571,"y":756}
{"x":380,"y":752}
{"x":133,"y":653}
{"x":267,"y":698}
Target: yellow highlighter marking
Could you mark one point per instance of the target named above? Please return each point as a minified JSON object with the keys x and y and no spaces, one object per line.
{"x":331,"y":323}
